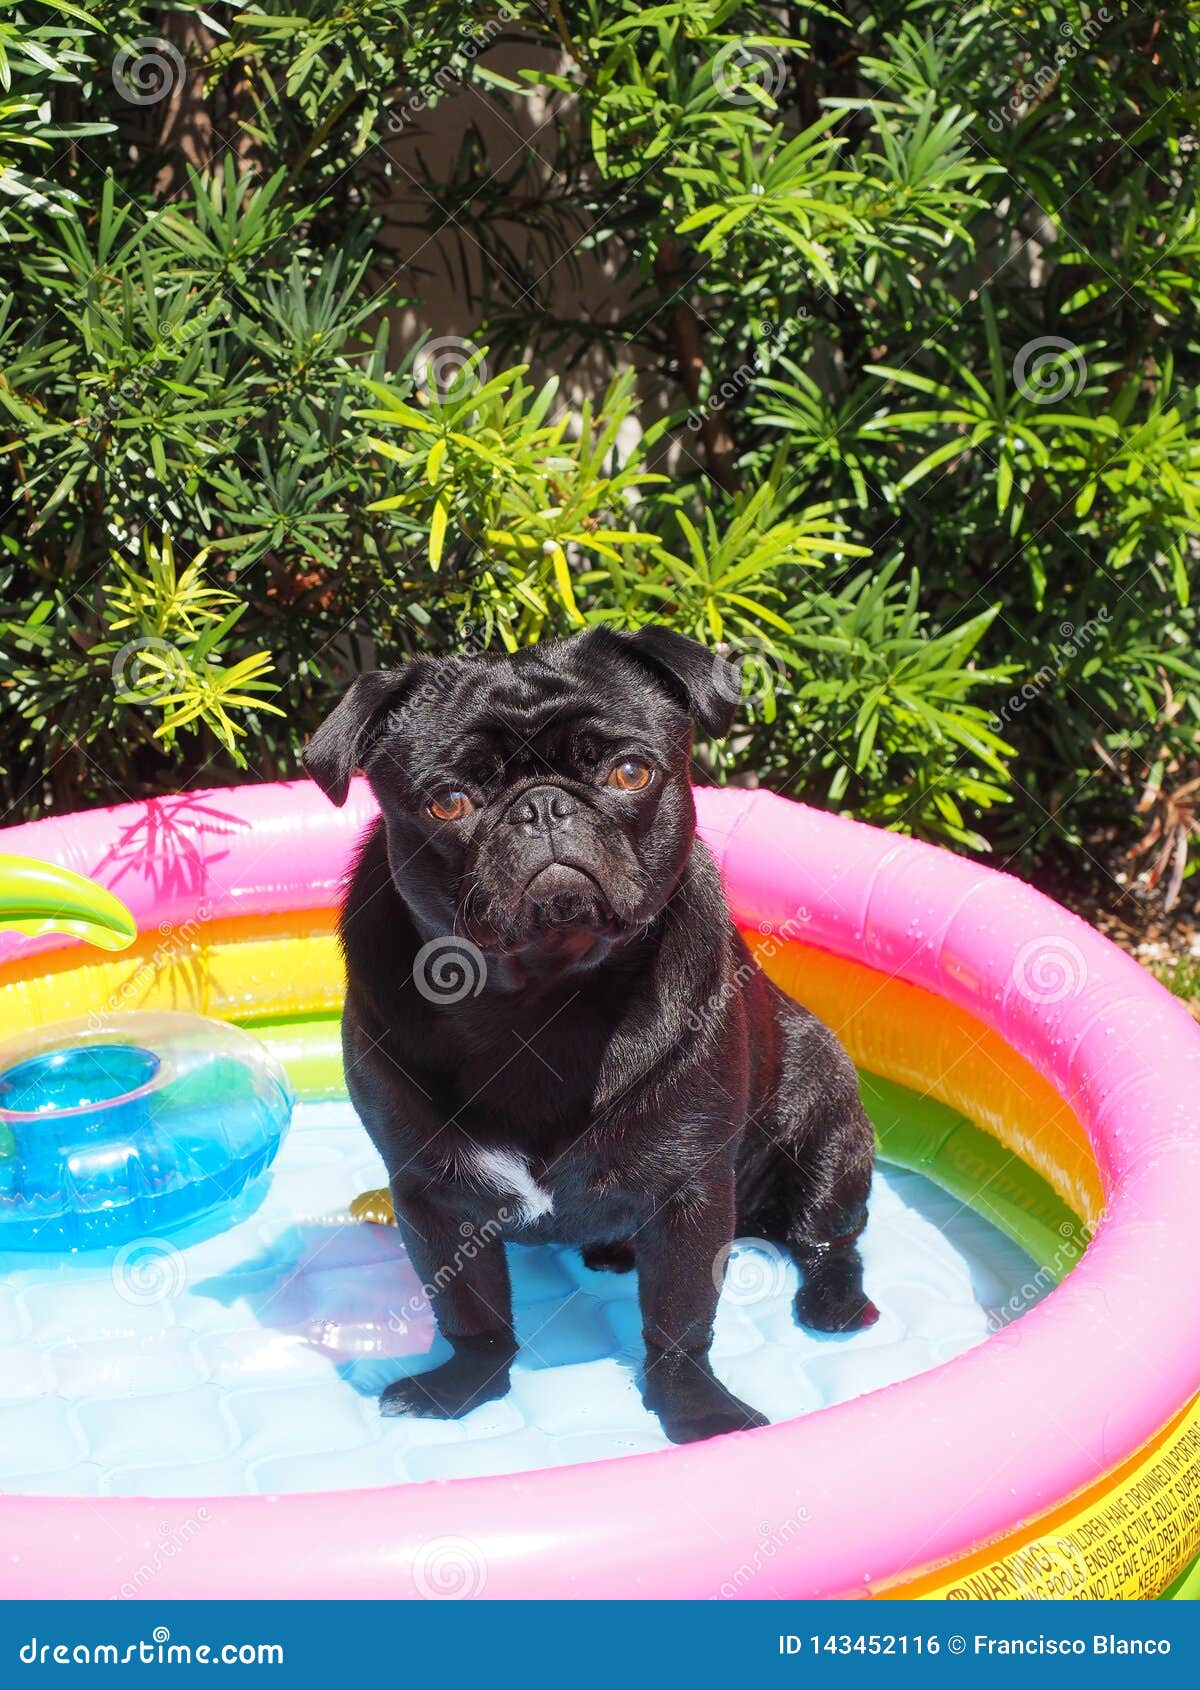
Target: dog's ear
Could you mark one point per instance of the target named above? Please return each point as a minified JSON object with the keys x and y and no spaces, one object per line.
{"x":360,"y":717}
{"x":693,"y":673}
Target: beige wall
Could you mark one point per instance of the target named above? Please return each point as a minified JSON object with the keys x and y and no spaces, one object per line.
{"x":445,"y":270}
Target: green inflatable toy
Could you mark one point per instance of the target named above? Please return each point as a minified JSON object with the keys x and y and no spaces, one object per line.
{"x":38,"y":898}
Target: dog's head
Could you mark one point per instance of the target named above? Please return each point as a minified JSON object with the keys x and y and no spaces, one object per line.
{"x":537,"y":804}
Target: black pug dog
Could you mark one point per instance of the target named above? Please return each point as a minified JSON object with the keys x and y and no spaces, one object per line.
{"x":553,"y":1030}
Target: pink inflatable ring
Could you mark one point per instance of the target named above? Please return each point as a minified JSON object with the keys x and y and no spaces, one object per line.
{"x":922,"y":1487}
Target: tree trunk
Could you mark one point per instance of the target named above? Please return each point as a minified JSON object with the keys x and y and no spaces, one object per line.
{"x":199,"y":125}
{"x":686,"y":333}
{"x":186,"y":132}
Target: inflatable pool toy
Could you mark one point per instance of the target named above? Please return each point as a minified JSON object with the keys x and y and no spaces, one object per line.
{"x":39,"y":898}
{"x":1008,"y":1052}
{"x":139,"y":1126}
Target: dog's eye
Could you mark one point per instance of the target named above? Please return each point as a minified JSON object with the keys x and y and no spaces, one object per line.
{"x":630,"y":775}
{"x":451,"y":807}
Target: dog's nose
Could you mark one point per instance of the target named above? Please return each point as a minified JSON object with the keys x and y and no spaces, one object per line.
{"x":542,"y":809}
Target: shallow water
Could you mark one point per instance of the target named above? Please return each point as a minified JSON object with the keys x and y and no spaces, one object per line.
{"x":250,"y":1360}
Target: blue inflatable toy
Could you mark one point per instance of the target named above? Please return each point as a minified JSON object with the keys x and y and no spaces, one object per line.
{"x":140,"y":1127}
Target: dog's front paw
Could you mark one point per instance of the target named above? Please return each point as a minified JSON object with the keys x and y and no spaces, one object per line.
{"x":476,"y":1373}
{"x":835,"y":1308}
{"x":691,"y":1402}
{"x":730,"y":1415}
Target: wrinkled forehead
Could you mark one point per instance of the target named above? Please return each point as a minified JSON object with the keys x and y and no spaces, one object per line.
{"x":551,"y":712}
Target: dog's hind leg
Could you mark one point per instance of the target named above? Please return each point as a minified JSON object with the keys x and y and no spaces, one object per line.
{"x":823,"y":1212}
{"x":831,"y":1297}
{"x":617,"y":1257}
{"x":803,"y":1183}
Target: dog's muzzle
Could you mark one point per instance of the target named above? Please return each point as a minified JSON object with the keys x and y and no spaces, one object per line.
{"x":561,"y":895}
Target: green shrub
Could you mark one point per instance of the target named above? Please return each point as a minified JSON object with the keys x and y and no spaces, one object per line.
{"x":920,"y":281}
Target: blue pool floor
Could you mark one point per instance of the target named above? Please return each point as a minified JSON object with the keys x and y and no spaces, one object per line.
{"x":250,"y":1360}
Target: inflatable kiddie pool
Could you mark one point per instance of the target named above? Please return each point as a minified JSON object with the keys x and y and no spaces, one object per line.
{"x":1023,"y":1063}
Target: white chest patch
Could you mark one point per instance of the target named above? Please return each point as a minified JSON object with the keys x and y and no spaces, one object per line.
{"x":507,"y":1172}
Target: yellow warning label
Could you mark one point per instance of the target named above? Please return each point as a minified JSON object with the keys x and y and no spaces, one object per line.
{"x":1130,"y":1542}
